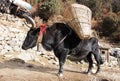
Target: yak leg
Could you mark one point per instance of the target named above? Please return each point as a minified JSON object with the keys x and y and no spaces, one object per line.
{"x":62,"y":58}
{"x":98,"y":59}
{"x":89,"y":58}
{"x":95,"y":51}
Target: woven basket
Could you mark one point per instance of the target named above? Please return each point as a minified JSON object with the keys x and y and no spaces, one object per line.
{"x":78,"y":17}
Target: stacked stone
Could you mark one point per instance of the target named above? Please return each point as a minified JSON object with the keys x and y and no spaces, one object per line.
{"x":10,"y":39}
{"x":12,"y":34}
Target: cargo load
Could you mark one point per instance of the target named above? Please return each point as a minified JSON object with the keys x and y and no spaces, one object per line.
{"x":78,"y":17}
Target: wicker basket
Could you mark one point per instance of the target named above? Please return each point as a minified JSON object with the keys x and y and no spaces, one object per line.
{"x":78,"y":18}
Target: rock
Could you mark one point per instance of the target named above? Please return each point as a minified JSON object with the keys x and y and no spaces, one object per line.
{"x":3,"y":51}
{"x":38,"y":60}
{"x":17,"y":60}
{"x":8,"y":56}
{"x":16,"y":48}
{"x":1,"y":47}
{"x":26,"y":57}
{"x":7,"y":47}
{"x":7,"y":38}
{"x":1,"y":38}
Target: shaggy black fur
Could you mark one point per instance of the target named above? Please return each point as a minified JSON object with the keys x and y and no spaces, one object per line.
{"x":71,"y":44}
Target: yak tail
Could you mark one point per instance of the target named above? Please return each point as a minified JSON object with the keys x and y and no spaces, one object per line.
{"x":101,"y":60}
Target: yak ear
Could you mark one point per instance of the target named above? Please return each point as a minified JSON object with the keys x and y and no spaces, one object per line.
{"x":35,"y":31}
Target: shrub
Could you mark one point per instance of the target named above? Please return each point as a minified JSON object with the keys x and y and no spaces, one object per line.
{"x":111,"y":27}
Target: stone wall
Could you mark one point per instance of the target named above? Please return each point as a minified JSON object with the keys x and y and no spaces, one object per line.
{"x":12,"y":34}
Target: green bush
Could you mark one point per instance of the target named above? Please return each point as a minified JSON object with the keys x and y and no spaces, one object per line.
{"x":49,"y":8}
{"x":111,"y":27}
{"x":45,"y":10}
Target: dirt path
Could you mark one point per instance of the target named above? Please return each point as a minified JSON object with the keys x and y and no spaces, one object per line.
{"x":20,"y":71}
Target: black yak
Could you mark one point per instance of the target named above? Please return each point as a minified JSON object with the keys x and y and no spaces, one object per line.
{"x":63,"y":41}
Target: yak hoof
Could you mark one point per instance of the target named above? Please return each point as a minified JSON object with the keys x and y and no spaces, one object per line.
{"x":60,"y":74}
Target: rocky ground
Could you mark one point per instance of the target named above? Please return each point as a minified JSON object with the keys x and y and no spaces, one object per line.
{"x":18,"y":70}
{"x":19,"y":65}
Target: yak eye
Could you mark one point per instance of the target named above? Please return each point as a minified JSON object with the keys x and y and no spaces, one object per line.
{"x":35,"y":31}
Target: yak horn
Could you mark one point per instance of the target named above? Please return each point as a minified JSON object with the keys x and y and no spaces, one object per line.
{"x":29,"y":20}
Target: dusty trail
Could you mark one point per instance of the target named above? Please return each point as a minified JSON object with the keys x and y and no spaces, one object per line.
{"x":19,"y":71}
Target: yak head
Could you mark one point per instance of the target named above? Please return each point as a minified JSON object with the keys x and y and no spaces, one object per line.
{"x":31,"y":38}
{"x":46,"y":41}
